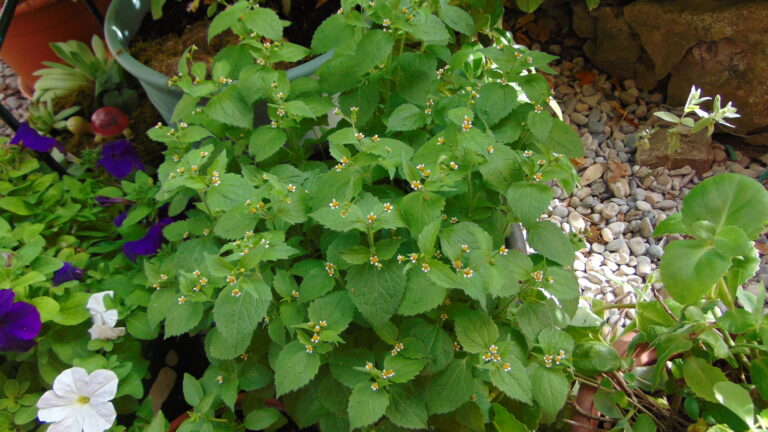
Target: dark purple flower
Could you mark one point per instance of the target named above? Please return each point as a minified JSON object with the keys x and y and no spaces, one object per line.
{"x":119,"y":158}
{"x":66,"y":273}
{"x":19,"y":323}
{"x":120,"y":219}
{"x":32,"y":140}
{"x":106,"y":201}
{"x":149,"y":244}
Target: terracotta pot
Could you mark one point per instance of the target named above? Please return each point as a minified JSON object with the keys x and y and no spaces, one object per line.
{"x":37,"y":23}
{"x":643,"y":356}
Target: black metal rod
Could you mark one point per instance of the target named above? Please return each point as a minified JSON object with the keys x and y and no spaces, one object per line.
{"x":95,"y":12}
{"x":6,"y":16}
{"x":8,"y":118}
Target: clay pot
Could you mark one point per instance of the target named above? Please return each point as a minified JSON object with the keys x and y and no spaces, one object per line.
{"x":643,"y":356}
{"x":37,"y":23}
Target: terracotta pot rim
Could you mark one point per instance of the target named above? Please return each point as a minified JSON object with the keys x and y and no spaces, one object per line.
{"x":29,"y":6}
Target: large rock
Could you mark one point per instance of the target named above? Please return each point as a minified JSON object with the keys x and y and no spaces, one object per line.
{"x":611,"y":44}
{"x":720,"y":46}
{"x":695,"y":150}
{"x":717,"y":45}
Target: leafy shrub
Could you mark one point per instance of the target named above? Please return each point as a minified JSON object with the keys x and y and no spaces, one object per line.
{"x":350,"y":256}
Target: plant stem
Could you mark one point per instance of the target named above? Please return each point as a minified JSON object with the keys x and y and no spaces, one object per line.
{"x":725,"y":294}
{"x":614,"y":306}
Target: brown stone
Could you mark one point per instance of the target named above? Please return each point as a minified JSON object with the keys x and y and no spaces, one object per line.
{"x":695,"y":150}
{"x":718,"y":46}
{"x":612,"y":45}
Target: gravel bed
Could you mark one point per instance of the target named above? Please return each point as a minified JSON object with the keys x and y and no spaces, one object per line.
{"x":11,"y":97}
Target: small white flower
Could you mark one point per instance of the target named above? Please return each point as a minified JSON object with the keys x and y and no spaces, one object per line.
{"x":103,"y":320}
{"x":79,"y":402}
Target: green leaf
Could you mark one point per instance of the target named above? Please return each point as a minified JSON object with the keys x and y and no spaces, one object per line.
{"x":261,"y":418}
{"x":376,"y":292}
{"x":551,"y":390}
{"x":373,"y":49}
{"x":540,"y":123}
{"x":265,"y":22}
{"x":295,"y":368}
{"x":671,"y":225}
{"x":233,"y":224}
{"x":528,"y":5}
{"x":138,"y":326}
{"x":514,"y":383}
{"x":366,"y":405}
{"x":415,"y":76}
{"x":421,"y":294}
{"x":236,"y":317}
{"x":450,"y":388}
{"x":333,"y":32}
{"x":528,"y":200}
{"x":335,"y":308}
{"x":419,"y":209}
{"x":428,"y":28}
{"x":549,"y":240}
{"x":224,"y":20}
{"x":731,"y":241}
{"x":407,"y":407}
{"x":562,"y":139}
{"x":230,"y":107}
{"x":458,"y":19}
{"x":689,"y":269}
{"x":406,"y":117}
{"x":16,"y":205}
{"x":736,"y":399}
{"x":193,"y":391}
{"x":728,"y":200}
{"x":232,"y":190}
{"x":182,"y":318}
{"x":221,"y":347}
{"x":666,"y":346}
{"x":475,"y":330}
{"x":701,"y":377}
{"x":758,"y":373}
{"x":503,"y":421}
{"x":495,"y":101}
{"x":593,"y":357}
{"x":265,"y":141}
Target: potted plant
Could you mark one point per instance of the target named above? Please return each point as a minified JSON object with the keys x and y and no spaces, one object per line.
{"x":35,"y":24}
{"x":697,"y":358}
{"x":123,"y":21}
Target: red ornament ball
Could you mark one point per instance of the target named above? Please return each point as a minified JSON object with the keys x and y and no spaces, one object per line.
{"x":108,"y":121}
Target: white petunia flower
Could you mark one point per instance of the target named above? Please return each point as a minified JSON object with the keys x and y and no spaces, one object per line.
{"x":103,"y":320}
{"x":79,"y":402}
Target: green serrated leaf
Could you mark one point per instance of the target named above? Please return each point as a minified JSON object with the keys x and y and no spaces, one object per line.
{"x":295,"y":368}
{"x":366,"y":405}
{"x":376,"y":292}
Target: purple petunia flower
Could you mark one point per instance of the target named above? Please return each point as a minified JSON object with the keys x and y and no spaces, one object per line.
{"x":118,"y":222}
{"x":106,"y":201}
{"x":119,"y":158}
{"x":66,"y":273}
{"x":32,"y":140}
{"x":19,"y":323}
{"x":149,"y":244}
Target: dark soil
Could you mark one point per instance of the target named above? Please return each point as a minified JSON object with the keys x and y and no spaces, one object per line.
{"x":160,"y":44}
